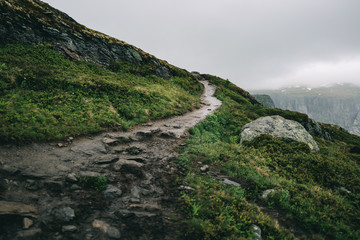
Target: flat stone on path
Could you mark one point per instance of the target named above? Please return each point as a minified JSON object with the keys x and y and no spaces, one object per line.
{"x":88,"y":147}
{"x":16,"y":208}
{"x":89,"y":174}
{"x":128,"y":163}
{"x":110,"y":141}
{"x":65,"y":214}
{"x":112,"y":232}
{"x":106,"y":159}
{"x":69,"y":228}
{"x":112,"y":192}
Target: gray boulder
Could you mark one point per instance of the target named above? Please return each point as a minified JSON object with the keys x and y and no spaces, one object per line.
{"x":278,"y":127}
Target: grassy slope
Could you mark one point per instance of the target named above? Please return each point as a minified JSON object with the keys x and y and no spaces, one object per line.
{"x":307,"y":183}
{"x":45,"y":96}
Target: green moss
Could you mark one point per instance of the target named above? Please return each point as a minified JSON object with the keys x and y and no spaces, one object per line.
{"x":95,"y":183}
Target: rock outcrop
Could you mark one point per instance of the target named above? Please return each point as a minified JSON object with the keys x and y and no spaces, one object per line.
{"x":278,"y":127}
{"x":338,"y":104}
{"x":33,"y":21}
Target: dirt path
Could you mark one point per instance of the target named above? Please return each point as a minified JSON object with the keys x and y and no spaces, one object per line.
{"x":140,"y":198}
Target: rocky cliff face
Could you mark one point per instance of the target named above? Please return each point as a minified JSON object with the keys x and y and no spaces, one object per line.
{"x":339,"y":104}
{"x":32,"y":21}
{"x":265,"y":100}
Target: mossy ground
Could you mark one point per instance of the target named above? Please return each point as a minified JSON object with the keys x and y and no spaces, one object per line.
{"x":307,"y":184}
{"x":44,"y":96}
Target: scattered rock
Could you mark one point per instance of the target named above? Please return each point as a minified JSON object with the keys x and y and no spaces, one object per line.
{"x":182,"y":187}
{"x":64,"y":214}
{"x":128,"y":163}
{"x":32,"y":185}
{"x":88,"y":147}
{"x":212,"y":173}
{"x":343,"y":189}
{"x":135,"y":192}
{"x":29,"y":173}
{"x":278,"y":127}
{"x":71,"y":177}
{"x":168,"y":134}
{"x":112,"y":192}
{"x":106,"y":159}
{"x":106,"y":228}
{"x":134,"y":200}
{"x":60,"y":145}
{"x":110,"y":141}
{"x":230,"y":182}
{"x":265,"y":195}
{"x":69,"y":228}
{"x":113,"y":233}
{"x":124,"y":214}
{"x":29,"y":234}
{"x":89,"y":174}
{"x":27,"y":223}
{"x":147,"y":134}
{"x":204,"y":168}
{"x":75,"y":187}
{"x":16,"y":208}
{"x":257,"y":232}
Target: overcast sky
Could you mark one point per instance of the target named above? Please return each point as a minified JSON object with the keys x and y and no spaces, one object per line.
{"x":253,"y":43}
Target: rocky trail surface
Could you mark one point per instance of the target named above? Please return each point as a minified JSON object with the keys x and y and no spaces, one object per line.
{"x":48,"y":191}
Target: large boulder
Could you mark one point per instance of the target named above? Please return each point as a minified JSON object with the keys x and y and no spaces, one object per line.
{"x":278,"y":127}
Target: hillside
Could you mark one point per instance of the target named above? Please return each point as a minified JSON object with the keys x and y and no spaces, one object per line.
{"x":337,"y":104}
{"x":45,"y":94}
{"x":100,"y":140}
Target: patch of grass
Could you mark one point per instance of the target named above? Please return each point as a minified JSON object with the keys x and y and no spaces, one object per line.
{"x":95,"y":183}
{"x":45,"y":96}
{"x":307,"y":184}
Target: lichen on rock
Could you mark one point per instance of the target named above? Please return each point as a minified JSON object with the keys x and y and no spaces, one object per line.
{"x":278,"y":127}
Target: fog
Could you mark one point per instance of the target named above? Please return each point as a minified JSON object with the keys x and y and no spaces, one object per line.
{"x":255,"y":44}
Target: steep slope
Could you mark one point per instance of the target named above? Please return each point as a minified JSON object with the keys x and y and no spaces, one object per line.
{"x":338,"y":104}
{"x":53,"y":83}
{"x":33,"y":21}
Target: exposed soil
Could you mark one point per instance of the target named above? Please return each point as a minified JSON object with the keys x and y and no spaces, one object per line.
{"x":41,"y":196}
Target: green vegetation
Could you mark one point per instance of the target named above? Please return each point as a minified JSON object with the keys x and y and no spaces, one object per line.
{"x":316,"y":193}
{"x":95,"y":183}
{"x":45,"y":96}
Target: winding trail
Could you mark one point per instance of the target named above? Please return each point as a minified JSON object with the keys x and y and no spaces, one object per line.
{"x":140,"y":199}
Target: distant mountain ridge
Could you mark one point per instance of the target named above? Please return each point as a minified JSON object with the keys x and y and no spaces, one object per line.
{"x":338,"y":104}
